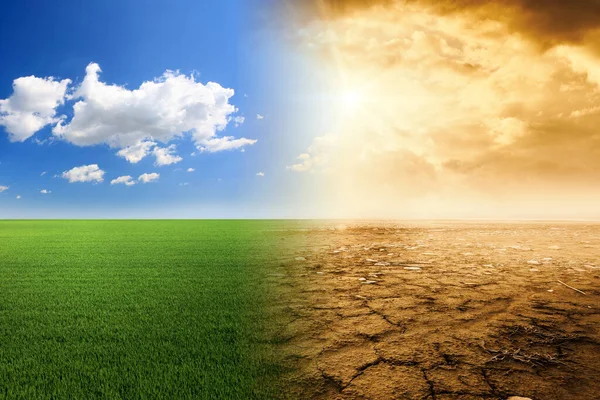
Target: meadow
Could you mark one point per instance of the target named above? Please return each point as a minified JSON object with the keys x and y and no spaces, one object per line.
{"x":136,"y":309}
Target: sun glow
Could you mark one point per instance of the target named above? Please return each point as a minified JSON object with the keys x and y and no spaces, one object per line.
{"x":351,"y":100}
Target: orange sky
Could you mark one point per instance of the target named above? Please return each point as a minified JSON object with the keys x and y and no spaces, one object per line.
{"x":455,"y":108}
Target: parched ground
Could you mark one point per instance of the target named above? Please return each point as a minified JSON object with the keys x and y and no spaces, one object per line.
{"x":442,"y":311}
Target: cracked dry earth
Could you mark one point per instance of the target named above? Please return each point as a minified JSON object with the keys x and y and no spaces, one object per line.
{"x":442,"y":311}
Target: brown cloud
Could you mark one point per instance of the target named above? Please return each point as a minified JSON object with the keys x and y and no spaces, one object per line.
{"x":461,"y":111}
{"x":548,"y":22}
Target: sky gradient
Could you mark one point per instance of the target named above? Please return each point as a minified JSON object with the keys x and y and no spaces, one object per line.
{"x":312,"y":109}
{"x":458,"y":108}
{"x":95,"y":92}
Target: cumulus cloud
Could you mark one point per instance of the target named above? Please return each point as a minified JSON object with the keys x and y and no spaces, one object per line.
{"x":44,"y":191}
{"x":260,"y":174}
{"x":190,"y":170}
{"x":85,"y":173}
{"x":32,"y":106}
{"x":19,"y":197}
{"x":158,"y":111}
{"x":126,"y":180}
{"x":258,"y":116}
{"x":166,"y":156}
{"x":3,"y":188}
{"x":224,"y":143}
{"x":147,"y":178}
{"x":136,"y":152}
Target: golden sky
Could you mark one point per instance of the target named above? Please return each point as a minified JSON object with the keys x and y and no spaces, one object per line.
{"x":460,"y":108}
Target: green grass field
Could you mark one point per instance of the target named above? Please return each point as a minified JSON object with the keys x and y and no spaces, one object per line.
{"x":136,"y":309}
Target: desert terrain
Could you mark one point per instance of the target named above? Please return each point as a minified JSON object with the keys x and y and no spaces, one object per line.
{"x":440,"y":311}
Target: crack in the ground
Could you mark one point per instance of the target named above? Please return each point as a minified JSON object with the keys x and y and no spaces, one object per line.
{"x":430,"y":384}
{"x":455,"y":301}
{"x":329,"y":378}
{"x":486,"y":379}
{"x":361,"y":370}
{"x":386,"y":318}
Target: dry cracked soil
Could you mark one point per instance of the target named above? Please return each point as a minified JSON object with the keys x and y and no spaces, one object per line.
{"x":441,"y":311}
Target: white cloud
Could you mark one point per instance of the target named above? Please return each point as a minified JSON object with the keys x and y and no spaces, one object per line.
{"x":135,"y":153}
{"x":44,"y":191}
{"x":19,"y":197}
{"x":147,"y":178}
{"x":85,"y":173}
{"x":166,"y":156}
{"x":184,"y":184}
{"x":31,"y":106}
{"x":305,"y":163}
{"x":317,"y":156}
{"x":43,"y":173}
{"x":258,"y":116}
{"x":260,"y":174}
{"x":239,"y":120}
{"x":159,"y":110}
{"x":3,"y":188}
{"x":224,"y":143}
{"x":126,"y":180}
{"x":190,"y":170}
{"x":41,"y":142}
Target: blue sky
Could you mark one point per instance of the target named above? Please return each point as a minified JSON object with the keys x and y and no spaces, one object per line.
{"x":135,"y":42}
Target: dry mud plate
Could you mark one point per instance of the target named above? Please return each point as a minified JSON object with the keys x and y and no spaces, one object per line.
{"x":442,"y":311}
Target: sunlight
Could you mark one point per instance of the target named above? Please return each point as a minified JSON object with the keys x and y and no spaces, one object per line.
{"x":351,"y":100}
